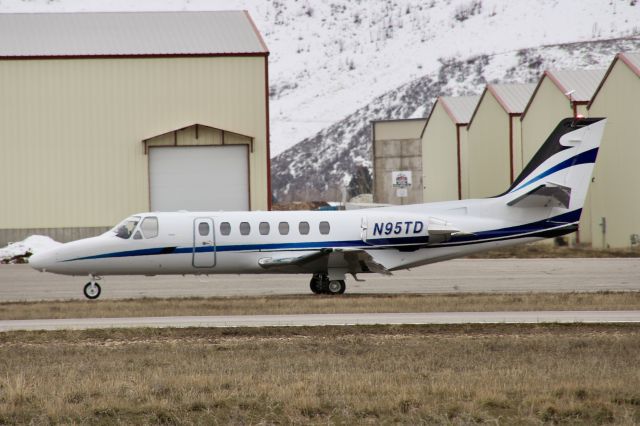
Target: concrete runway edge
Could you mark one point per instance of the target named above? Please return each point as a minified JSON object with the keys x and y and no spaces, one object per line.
{"x":521,"y":317}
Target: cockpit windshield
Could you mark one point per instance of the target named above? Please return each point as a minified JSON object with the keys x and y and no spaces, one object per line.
{"x":125,"y":228}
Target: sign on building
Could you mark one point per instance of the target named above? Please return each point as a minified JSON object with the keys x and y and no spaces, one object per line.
{"x":401,"y":180}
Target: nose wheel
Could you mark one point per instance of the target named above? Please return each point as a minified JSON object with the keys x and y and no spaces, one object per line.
{"x":92,"y":289}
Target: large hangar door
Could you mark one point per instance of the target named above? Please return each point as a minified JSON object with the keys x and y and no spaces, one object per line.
{"x":199,"y":178}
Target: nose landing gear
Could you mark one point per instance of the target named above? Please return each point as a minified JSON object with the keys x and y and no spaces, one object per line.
{"x":320,"y":284}
{"x":92,"y":289}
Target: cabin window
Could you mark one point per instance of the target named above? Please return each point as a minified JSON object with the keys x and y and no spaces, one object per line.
{"x":283,"y":228}
{"x":225,"y":228}
{"x":264,"y":228}
{"x":203,"y":229}
{"x":303,"y":227}
{"x":149,"y":227}
{"x":324,"y":228}
{"x":245,"y":228}
{"x":125,"y":228}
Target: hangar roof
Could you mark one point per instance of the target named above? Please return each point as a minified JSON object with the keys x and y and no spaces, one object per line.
{"x":512,"y":98}
{"x":582,"y":82}
{"x":111,"y":34}
{"x":631,"y":59}
{"x":459,"y":108}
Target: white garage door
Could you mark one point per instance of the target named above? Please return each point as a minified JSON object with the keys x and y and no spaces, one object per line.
{"x":202,"y":178}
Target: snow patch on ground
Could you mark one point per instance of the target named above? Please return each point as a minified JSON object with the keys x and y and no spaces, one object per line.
{"x":15,"y":252}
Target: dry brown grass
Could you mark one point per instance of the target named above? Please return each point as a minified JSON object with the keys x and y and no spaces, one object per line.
{"x":321,"y":304}
{"x":537,"y":251}
{"x":502,"y":374}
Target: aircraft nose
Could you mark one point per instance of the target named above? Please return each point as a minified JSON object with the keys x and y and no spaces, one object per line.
{"x":43,"y":260}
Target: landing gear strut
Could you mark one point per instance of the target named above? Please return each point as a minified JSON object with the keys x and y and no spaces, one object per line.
{"x":92,"y":288}
{"x":320,"y":284}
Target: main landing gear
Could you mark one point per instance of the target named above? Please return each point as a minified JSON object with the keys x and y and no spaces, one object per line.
{"x":92,"y":288}
{"x":320,"y":284}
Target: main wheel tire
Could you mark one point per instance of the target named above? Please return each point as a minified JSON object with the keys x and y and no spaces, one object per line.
{"x":316,"y":285}
{"x":336,"y":287}
{"x":324,"y":286}
{"x":92,"y":290}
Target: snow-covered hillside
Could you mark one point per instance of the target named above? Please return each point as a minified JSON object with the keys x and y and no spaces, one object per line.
{"x":320,"y":166}
{"x":331,"y":58}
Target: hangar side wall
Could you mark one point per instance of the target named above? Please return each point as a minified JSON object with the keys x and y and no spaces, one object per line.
{"x":71,"y":131}
{"x":488,"y":149}
{"x":516,"y":135}
{"x":440,"y":157}
{"x":613,"y":193}
{"x":397,"y":147}
{"x":399,"y":129}
{"x":464,"y":160}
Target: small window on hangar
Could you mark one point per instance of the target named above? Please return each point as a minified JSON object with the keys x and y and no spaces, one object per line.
{"x":199,"y":168}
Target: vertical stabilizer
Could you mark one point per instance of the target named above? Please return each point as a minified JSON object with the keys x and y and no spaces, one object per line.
{"x":559,"y":174}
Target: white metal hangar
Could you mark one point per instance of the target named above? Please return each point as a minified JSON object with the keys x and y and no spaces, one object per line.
{"x":559,"y":94}
{"x":106,"y":114}
{"x":444,"y":148}
{"x":493,"y":138}
{"x":612,"y":217}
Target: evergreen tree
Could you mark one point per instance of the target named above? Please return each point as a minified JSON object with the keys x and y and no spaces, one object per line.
{"x":361,"y":182}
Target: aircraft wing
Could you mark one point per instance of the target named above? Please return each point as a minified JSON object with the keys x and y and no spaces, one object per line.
{"x":272,"y":262}
{"x":355,"y":260}
{"x":541,"y":195}
{"x":364,"y":260}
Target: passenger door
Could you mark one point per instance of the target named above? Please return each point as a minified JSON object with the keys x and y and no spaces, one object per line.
{"x":204,"y":243}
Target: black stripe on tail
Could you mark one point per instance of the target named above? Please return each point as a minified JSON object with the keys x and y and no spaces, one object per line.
{"x":551,"y":147}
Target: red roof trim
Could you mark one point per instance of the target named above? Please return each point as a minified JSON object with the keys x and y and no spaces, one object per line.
{"x":501,"y":101}
{"x":133,"y":56}
{"x":630,"y":64}
{"x":268,"y":133}
{"x":533,"y":95}
{"x":255,"y":29}
{"x":555,"y":81}
{"x":428,"y":117}
{"x":477,"y":106}
{"x":626,"y":61}
{"x":449,"y":112}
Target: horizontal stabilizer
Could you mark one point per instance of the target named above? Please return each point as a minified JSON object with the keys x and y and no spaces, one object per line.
{"x":441,"y":231}
{"x":440,"y":227}
{"x":543,"y":195}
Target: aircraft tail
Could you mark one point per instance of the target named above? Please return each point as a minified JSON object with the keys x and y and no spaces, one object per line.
{"x":558,"y":176}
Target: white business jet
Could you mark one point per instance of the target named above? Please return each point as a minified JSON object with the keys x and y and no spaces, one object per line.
{"x":544,"y":201}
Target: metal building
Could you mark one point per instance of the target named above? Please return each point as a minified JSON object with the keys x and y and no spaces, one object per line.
{"x":444,"y":148}
{"x":559,"y":94}
{"x":106,"y":114}
{"x":397,"y":154}
{"x":494,"y":143}
{"x":612,"y":217}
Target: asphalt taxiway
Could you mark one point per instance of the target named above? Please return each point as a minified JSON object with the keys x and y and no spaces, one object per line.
{"x":20,"y":282}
